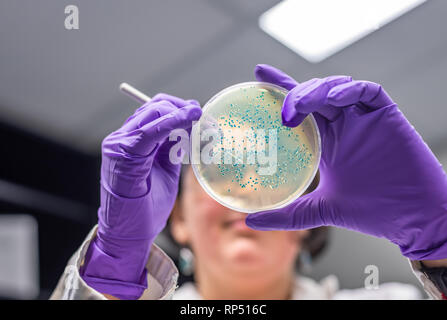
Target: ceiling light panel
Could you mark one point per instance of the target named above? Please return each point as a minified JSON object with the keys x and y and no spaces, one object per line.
{"x":316,"y":29}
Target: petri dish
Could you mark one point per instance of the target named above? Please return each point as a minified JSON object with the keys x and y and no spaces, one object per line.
{"x":244,"y":157}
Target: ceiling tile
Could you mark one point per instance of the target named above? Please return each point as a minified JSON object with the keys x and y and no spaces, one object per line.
{"x":53,"y":79}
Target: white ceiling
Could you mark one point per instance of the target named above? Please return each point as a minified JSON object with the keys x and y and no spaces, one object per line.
{"x":64,"y":84}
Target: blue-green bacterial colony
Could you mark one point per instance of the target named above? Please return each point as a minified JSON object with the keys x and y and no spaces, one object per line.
{"x":263,"y":164}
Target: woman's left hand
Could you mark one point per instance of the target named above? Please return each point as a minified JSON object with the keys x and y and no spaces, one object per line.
{"x":377,"y":174}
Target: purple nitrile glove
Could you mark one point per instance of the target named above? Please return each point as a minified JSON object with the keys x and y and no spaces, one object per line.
{"x":139,"y":186}
{"x":377,"y":174}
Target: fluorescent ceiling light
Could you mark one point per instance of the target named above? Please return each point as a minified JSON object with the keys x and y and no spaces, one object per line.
{"x":316,"y":29}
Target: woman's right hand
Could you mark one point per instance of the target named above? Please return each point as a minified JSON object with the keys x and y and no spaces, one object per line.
{"x":139,"y":185}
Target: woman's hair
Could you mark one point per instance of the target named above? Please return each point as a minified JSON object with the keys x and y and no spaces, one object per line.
{"x":317,"y":240}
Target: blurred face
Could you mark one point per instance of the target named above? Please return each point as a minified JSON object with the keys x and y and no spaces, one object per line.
{"x":224,"y":245}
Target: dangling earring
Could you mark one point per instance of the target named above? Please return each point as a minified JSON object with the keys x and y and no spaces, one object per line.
{"x":186,"y":261}
{"x":305,"y":261}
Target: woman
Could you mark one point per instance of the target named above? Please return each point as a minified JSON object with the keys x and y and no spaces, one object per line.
{"x":232,"y":261}
{"x":377,"y":177}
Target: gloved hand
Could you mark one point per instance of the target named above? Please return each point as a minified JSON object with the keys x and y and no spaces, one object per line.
{"x":139,"y":185}
{"x":377,"y":174}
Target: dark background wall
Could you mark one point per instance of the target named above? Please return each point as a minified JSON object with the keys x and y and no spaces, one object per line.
{"x":58,"y":186}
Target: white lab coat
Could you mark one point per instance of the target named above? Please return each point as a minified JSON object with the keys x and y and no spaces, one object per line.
{"x":327,"y":289}
{"x":163,"y":275}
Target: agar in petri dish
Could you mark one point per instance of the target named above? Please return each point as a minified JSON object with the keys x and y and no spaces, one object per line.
{"x":244,"y":157}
